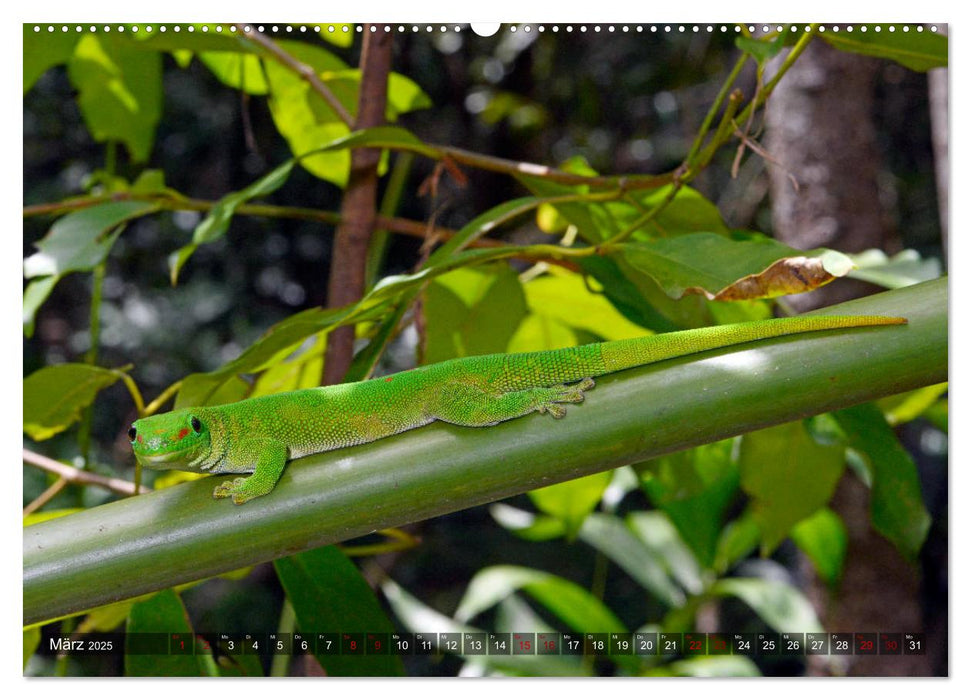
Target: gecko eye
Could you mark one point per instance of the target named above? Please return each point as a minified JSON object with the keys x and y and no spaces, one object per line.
{"x":196,"y":424}
{"x":132,"y":433}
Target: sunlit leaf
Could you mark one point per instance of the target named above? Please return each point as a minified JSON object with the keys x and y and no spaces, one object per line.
{"x":918,"y":51}
{"x":822,"y":536}
{"x":55,"y":396}
{"x":789,"y":476}
{"x":119,"y":91}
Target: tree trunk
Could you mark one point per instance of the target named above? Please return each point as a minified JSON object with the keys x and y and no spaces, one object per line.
{"x":348,"y":266}
{"x":821,"y":131}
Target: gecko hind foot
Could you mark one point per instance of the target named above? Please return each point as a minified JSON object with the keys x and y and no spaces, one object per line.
{"x":564,"y":393}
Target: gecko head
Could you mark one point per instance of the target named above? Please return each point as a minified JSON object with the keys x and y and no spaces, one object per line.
{"x":176,"y":440}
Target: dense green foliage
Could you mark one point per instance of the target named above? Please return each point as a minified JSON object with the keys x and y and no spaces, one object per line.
{"x":207,"y":287}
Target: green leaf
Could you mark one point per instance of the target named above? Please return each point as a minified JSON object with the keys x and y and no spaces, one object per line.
{"x":719,"y":268}
{"x":541,"y":332}
{"x":896,"y":504}
{"x":78,"y":241}
{"x":789,"y":477}
{"x":668,"y":548}
{"x":55,"y":396}
{"x":572,"y":501}
{"x":529,"y":526}
{"x":342,"y":34}
{"x":822,"y":536}
{"x":472,"y":312}
{"x":780,"y":605}
{"x":216,"y":223}
{"x":404,"y":94}
{"x":119,"y":91}
{"x":694,"y":488}
{"x":239,"y":71}
{"x":480,"y":226}
{"x":419,"y":617}
{"x":81,"y":240}
{"x":150,"y":181}
{"x":328,"y":593}
{"x":302,"y":370}
{"x":565,"y":297}
{"x":292,"y":106}
{"x":738,"y":539}
{"x":164,"y":614}
{"x":761,"y":49}
{"x":44,"y":50}
{"x":903,"y":269}
{"x":919,"y":51}
{"x":709,"y":667}
{"x":640,"y":299}
{"x":34,"y":296}
{"x":576,"y":607}
{"x":31,"y":642}
{"x":205,"y":390}
{"x":906,"y":407}
{"x":609,"y":535}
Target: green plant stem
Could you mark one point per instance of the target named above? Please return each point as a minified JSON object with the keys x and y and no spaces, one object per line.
{"x":180,"y":534}
{"x":389,"y":205}
{"x":715,"y":106}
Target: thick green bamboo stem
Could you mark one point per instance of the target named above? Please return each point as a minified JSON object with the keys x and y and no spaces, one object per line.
{"x":154,"y":541}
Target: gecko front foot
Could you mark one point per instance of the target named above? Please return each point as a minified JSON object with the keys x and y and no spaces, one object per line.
{"x":565,"y":394}
{"x":240,"y":490}
{"x":229,"y":488}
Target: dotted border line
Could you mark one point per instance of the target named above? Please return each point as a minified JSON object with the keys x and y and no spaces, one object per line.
{"x":429,"y":28}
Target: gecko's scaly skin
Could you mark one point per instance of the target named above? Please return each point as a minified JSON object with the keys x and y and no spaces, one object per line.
{"x":260,"y":435}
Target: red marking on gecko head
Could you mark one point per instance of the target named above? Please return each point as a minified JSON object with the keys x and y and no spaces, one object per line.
{"x":139,"y":438}
{"x":388,"y":379}
{"x":182,"y":433}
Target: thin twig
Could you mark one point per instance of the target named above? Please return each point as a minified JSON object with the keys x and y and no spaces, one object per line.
{"x":78,"y":476}
{"x":45,"y":497}
{"x":301,"y":69}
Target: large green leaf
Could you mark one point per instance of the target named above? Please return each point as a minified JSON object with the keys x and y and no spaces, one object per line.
{"x":576,"y":607}
{"x":905,"y":268}
{"x":237,"y":70}
{"x":572,"y":501}
{"x":567,"y":298}
{"x":688,"y":211}
{"x":164,"y":614}
{"x":822,"y":536}
{"x":789,"y":476}
{"x":694,"y":488}
{"x":780,"y":605}
{"x":419,"y":617}
{"x":43,"y":50}
{"x":896,"y":504}
{"x":80,"y":240}
{"x":329,"y":594}
{"x":472,"y":311}
{"x":718,"y":267}
{"x":55,"y":396}
{"x":308,"y":124}
{"x":119,"y":91}
{"x":645,"y":564}
{"x":916,"y":50}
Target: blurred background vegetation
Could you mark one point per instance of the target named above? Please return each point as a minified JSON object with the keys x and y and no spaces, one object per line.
{"x":626,"y":102}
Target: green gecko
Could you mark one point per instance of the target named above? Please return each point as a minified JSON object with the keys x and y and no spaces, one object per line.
{"x":260,"y":435}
